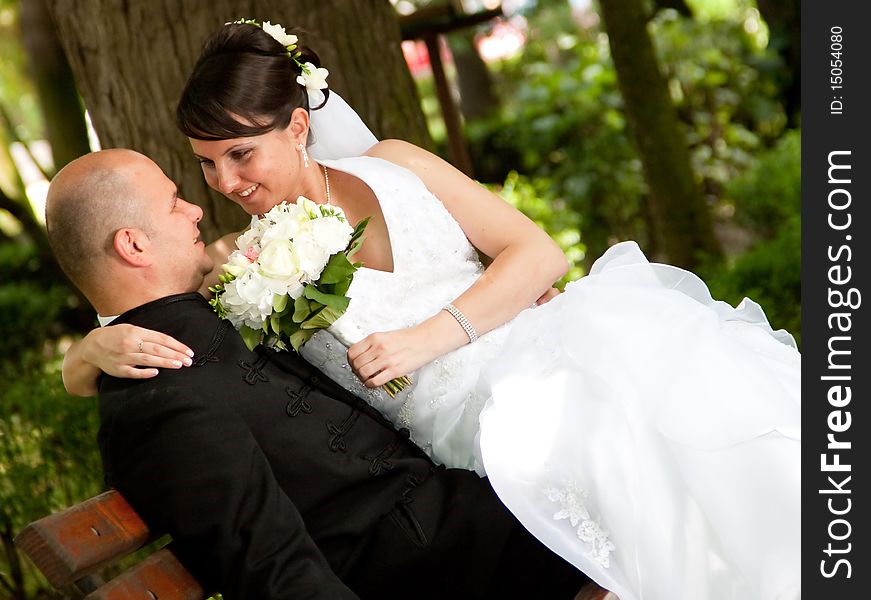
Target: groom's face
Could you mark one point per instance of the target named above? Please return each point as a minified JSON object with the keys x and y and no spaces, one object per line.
{"x":174,"y":237}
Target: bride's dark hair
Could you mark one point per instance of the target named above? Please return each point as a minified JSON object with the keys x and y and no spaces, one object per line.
{"x":241,"y":72}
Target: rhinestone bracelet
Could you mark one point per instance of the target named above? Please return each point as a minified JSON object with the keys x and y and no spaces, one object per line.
{"x":463,"y":321}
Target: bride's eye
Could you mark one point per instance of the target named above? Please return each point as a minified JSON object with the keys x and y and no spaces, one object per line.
{"x":206,"y":164}
{"x":241,"y":155}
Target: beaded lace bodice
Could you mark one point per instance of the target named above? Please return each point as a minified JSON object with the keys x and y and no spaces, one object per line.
{"x":433,"y":264}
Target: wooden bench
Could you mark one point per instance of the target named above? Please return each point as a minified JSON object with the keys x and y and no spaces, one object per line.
{"x":71,"y":546}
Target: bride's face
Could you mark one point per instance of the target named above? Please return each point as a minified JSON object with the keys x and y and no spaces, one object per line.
{"x":255,"y":172}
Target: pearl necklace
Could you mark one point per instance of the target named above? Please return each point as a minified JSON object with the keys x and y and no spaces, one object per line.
{"x":327,"y":181}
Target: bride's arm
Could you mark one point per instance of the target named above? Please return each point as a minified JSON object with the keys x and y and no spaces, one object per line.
{"x":219,"y":251}
{"x":122,"y":350}
{"x":525,"y":264}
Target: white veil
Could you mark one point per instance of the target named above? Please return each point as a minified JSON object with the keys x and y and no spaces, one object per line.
{"x":337,"y":130}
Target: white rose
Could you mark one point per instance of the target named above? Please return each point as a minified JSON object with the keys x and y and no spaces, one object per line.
{"x":277,"y":212}
{"x":278,"y":260}
{"x":247,"y":300}
{"x":237,"y":264}
{"x":286,"y":228}
{"x":295,"y":289}
{"x":331,"y":233}
{"x":250,"y":236}
{"x":312,"y":255}
{"x":313,"y":78}
{"x":279,"y":34}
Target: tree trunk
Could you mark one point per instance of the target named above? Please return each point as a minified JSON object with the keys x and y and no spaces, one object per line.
{"x":61,"y":108}
{"x":679,"y":5}
{"x":131,"y":59}
{"x":477,"y":98}
{"x":682,"y":220}
{"x":784,"y":22}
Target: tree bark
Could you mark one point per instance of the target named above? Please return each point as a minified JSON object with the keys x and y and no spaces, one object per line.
{"x":131,"y":59}
{"x":784,"y":22}
{"x":61,"y":108}
{"x":679,"y":5}
{"x":477,"y":98}
{"x":682,"y":220}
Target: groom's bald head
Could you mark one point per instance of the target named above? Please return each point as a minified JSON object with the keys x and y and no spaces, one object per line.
{"x":88,"y":201}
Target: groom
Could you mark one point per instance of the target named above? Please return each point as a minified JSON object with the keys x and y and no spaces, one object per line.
{"x":273,"y":481}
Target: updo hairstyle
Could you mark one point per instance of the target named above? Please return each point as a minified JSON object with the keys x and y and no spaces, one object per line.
{"x":242,"y":72}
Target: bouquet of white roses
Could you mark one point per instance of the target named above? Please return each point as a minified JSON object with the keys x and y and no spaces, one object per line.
{"x":289,"y":276}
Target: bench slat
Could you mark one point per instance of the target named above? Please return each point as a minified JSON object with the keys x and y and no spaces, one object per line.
{"x":159,"y":577}
{"x":75,"y":542}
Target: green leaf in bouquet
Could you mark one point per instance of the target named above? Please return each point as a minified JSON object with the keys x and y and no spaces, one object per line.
{"x":338,"y":269}
{"x":251,"y":337}
{"x":289,"y":327}
{"x":341,"y":288}
{"x":275,"y":323}
{"x":301,"y":337}
{"x":338,"y":303}
{"x":323,"y":319}
{"x":279,"y":302}
{"x":301,"y":309}
{"x":357,"y":238}
{"x":353,"y":248}
{"x":359,"y":229}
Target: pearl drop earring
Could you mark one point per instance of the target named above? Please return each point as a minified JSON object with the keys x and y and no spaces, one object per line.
{"x":304,"y":155}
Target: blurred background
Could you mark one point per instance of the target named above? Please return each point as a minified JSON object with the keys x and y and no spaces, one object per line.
{"x":676,"y":123}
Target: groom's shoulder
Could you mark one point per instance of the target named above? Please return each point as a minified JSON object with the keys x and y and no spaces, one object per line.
{"x":169,"y":314}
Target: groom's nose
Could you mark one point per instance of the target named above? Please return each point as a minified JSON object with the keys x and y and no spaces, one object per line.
{"x":194,"y":212}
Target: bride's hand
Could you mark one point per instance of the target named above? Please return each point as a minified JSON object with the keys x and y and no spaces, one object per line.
{"x":547,"y":296}
{"x":383,"y":356}
{"x":119,"y":351}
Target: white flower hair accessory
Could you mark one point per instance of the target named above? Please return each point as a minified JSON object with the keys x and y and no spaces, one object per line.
{"x":311,"y":77}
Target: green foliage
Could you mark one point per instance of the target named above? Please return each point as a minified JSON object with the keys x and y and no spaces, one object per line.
{"x":561,"y":123}
{"x":48,"y":454}
{"x":767,"y":199}
{"x":725,"y":87}
{"x":17,"y":91}
{"x":562,"y":119}
{"x":768,"y":196}
{"x":562,"y":129}
{"x":33,"y":308}
{"x":533,"y":197}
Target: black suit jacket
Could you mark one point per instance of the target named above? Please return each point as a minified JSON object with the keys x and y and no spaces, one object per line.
{"x":277,"y":483}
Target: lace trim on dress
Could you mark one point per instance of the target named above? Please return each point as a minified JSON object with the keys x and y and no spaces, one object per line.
{"x":596,"y":541}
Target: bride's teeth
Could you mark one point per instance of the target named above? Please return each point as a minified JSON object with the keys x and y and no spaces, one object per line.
{"x":249,"y":191}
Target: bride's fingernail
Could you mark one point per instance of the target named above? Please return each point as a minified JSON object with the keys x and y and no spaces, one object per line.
{"x":176,"y":364}
{"x":190,"y":353}
{"x":188,"y":362}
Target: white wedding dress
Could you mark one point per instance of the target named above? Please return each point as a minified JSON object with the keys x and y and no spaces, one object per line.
{"x":643,"y":431}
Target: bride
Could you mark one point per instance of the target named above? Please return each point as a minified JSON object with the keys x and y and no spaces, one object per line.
{"x":647,"y":433}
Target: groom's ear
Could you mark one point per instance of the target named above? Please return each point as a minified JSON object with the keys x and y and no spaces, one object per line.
{"x":298,"y":126}
{"x":132,"y":246}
